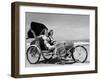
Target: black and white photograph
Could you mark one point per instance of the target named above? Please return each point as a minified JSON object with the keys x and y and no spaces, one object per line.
{"x":57,"y":39}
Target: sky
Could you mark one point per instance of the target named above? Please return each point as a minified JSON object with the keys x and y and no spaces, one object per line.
{"x":65,"y":26}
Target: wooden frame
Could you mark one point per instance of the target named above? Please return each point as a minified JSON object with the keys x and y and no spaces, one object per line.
{"x":15,"y":66}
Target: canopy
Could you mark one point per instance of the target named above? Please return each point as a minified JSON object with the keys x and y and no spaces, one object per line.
{"x":35,"y":29}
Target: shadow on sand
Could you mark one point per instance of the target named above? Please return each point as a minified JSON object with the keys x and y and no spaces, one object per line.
{"x":56,"y":61}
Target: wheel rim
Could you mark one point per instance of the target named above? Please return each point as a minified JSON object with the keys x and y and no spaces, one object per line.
{"x":33,"y":54}
{"x":80,"y":54}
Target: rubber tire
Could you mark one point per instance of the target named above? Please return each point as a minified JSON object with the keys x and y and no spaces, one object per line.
{"x":27,"y":55}
{"x":47,"y":58}
{"x":85,"y":51}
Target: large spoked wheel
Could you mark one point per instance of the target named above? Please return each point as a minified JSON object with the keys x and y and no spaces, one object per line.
{"x":79,"y":54}
{"x":47,"y":55}
{"x":33,"y":54}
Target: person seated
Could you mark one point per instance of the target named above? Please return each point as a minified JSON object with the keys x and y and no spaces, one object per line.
{"x":46,"y":40}
{"x":51,"y":39}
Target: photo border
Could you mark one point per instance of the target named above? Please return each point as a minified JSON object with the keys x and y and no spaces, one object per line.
{"x":15,"y":32}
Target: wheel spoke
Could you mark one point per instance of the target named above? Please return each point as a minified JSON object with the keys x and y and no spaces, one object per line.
{"x":33,"y":54}
{"x":77,"y":50}
{"x":80,"y":54}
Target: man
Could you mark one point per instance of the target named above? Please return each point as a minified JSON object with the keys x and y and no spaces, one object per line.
{"x":46,"y":40}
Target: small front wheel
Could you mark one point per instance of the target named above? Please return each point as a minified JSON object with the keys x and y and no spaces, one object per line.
{"x":47,"y":55}
{"x":80,"y":54}
{"x":33,"y":54}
